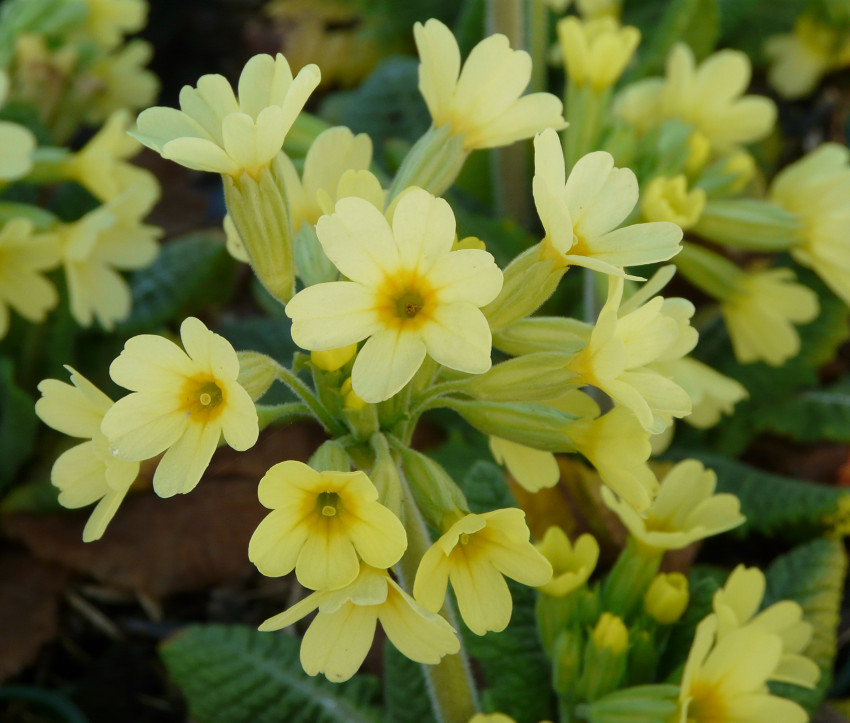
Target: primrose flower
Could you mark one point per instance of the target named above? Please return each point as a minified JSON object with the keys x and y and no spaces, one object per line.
{"x":668,"y":199}
{"x":816,"y":188}
{"x":338,"y":639}
{"x":596,"y":52}
{"x":708,"y":97}
{"x":334,"y":152}
{"x":89,"y":472}
{"x":24,"y":256}
{"x":322,"y":524}
{"x":121,"y":81}
{"x":737,"y":604}
{"x":108,"y":21}
{"x":216,"y":131}
{"x":16,"y":143}
{"x":619,"y":356}
{"x":580,"y":215}
{"x":481,"y":101}
{"x":101,"y":165}
{"x":474,"y":554}
{"x":182,"y":402}
{"x":110,"y":237}
{"x":572,"y":565}
{"x":760,"y":315}
{"x":409,"y":294}
{"x":800,"y":59}
{"x":685,"y":510}
{"x":725,"y":680}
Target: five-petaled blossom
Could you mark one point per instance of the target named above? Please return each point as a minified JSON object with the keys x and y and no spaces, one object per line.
{"x":182,"y":401}
{"x":322,"y":525}
{"x":339,"y":637}
{"x":88,"y":472}
{"x":476,"y":554}
{"x":409,"y":294}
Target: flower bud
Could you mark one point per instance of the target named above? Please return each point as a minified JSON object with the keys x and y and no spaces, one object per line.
{"x":543,"y":333}
{"x":350,"y":399}
{"x":566,"y":660}
{"x":530,"y":378}
{"x":436,"y":494}
{"x":667,"y":598}
{"x":750,"y":223}
{"x":668,"y":199}
{"x":312,"y":265}
{"x":330,"y":457}
{"x":333,"y":359}
{"x":610,"y":633}
{"x":534,"y":425}
{"x":433,"y":163}
{"x":257,"y":372}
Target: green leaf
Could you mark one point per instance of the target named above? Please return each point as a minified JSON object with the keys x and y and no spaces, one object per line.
{"x":190,"y":273}
{"x":695,"y":22}
{"x":235,"y":674}
{"x":17,"y":424}
{"x":514,"y":664}
{"x":48,"y":18}
{"x":775,"y":506}
{"x":819,"y":342}
{"x":746,"y":24}
{"x":406,"y":697}
{"x":812,"y":575}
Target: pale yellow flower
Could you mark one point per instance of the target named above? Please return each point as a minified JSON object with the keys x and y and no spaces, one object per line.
{"x":619,"y":356}
{"x":16,"y":142}
{"x":667,"y":597}
{"x":333,"y":359}
{"x":108,"y":21}
{"x":800,"y":59}
{"x":760,"y":315}
{"x":122,"y":81}
{"x":93,"y":248}
{"x":322,"y":525}
{"x":610,"y":633}
{"x":333,"y":153}
{"x":685,"y":510}
{"x":182,"y":402}
{"x":572,"y":565}
{"x":580,"y":214}
{"x":596,"y":52}
{"x":24,"y":256}
{"x":725,"y":681}
{"x":709,"y":97}
{"x":817,"y":188}
{"x":408,"y":293}
{"x":216,"y":131}
{"x":101,"y":165}
{"x":233,"y":241}
{"x":712,"y":393}
{"x":88,"y":472}
{"x":338,"y":639}
{"x":483,"y":100}
{"x":737,"y":604}
{"x":474,"y":554}
{"x":668,"y":199}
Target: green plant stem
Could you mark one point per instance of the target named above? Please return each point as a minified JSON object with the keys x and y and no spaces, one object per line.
{"x":538,"y":42}
{"x":281,"y":413}
{"x":450,"y":684}
{"x":317,"y":409}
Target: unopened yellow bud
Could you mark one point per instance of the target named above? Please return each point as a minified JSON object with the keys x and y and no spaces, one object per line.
{"x":699,"y":149}
{"x":349,"y":399}
{"x":333,"y":359}
{"x":596,"y":52}
{"x":742,"y":166}
{"x":610,"y":633}
{"x":668,"y":199}
{"x":667,"y":597}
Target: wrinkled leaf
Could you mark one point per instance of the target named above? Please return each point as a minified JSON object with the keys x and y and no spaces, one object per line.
{"x":235,"y":674}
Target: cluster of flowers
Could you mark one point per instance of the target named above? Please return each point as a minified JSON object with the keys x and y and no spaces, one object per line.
{"x":401,"y":316}
{"x":88,"y":69}
{"x":685,"y":133}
